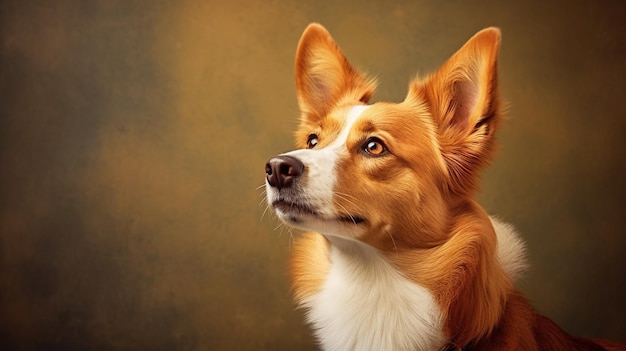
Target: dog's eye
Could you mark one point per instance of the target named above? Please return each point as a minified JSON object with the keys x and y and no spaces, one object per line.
{"x":312,"y":141}
{"x":374,"y":147}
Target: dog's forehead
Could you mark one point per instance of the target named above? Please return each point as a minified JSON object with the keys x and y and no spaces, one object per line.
{"x":393,"y":119}
{"x":353,"y":114}
{"x":337,"y":126}
{"x":384,"y":120}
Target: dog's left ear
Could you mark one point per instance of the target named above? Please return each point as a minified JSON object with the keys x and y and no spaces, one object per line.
{"x":463,"y":101}
{"x":324,"y":76}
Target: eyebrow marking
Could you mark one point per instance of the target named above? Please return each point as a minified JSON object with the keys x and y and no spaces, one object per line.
{"x":369,"y":127}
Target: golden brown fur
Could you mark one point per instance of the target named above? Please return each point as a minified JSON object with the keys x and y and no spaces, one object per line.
{"x":421,"y":213}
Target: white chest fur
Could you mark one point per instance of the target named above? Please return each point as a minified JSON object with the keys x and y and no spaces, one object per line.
{"x":365,"y":304}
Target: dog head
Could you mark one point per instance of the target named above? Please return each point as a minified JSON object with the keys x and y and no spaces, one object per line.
{"x":385,"y":173}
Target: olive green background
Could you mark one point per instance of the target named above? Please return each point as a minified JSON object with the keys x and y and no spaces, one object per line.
{"x":133,"y":137}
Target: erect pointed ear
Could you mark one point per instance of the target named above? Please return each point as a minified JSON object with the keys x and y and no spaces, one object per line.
{"x":324,"y":76}
{"x":463,"y":100}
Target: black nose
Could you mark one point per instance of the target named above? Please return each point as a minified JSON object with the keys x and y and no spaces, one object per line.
{"x":281,"y":170}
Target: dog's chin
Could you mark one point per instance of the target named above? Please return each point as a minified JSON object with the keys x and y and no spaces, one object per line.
{"x":305,"y":217}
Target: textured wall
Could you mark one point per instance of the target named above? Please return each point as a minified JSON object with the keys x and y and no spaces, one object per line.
{"x":133,"y":136}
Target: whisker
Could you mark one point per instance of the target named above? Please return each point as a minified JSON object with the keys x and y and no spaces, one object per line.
{"x":264,"y":211}
{"x":347,"y":198}
{"x":280,"y":225}
{"x":283,"y":227}
{"x":393,"y":241}
{"x":291,"y":238}
{"x":263,"y":200}
{"x":348,"y":213}
{"x":346,"y":195}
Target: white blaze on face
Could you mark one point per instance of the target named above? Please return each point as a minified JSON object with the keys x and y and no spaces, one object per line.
{"x":351,"y":118}
{"x":320,"y":165}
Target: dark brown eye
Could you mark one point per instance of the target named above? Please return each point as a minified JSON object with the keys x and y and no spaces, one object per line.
{"x":374,"y":147}
{"x":312,"y":141}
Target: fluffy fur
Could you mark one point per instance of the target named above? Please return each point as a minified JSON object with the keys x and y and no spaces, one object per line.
{"x":399,"y":255}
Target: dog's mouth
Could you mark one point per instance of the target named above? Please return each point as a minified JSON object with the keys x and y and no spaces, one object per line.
{"x":293,"y":207}
{"x":294,"y":211}
{"x":352,"y":219}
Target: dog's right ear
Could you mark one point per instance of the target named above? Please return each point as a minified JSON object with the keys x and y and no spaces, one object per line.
{"x":324,"y":77}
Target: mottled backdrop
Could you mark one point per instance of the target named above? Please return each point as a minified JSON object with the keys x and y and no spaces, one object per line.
{"x":133,"y":137}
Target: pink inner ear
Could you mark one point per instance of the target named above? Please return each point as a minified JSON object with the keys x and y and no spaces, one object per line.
{"x":463,"y":103}
{"x":320,"y":93}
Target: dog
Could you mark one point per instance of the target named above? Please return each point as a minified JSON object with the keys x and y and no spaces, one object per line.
{"x":398,"y":254}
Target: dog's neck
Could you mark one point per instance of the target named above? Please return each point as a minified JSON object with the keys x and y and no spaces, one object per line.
{"x":349,"y":247}
{"x":364,"y":267}
{"x":367,"y":304}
